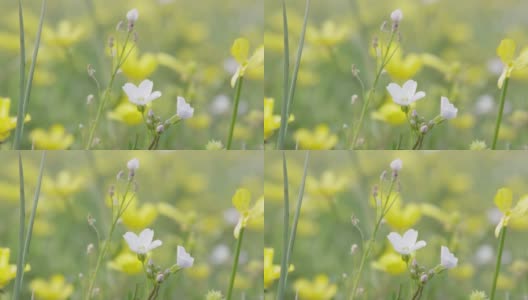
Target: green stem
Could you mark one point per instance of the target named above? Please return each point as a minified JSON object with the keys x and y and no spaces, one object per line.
{"x":286,"y":78}
{"x":499,"y":116}
{"x":372,"y":91}
{"x":286,"y":227}
{"x":498,"y":264}
{"x":235,"y":264}
{"x":235,"y":112}
{"x":22,"y":223}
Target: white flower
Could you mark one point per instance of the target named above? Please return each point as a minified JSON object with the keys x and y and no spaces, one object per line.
{"x":407,"y":244}
{"x":396,"y":164}
{"x":447,"y":109}
{"x":132,"y":15}
{"x":184,"y":109}
{"x":183,"y":259}
{"x":405,"y":95}
{"x":447,"y":259}
{"x":133,"y":164}
{"x":141,"y":95}
{"x":397,"y":15}
{"x":143,"y":243}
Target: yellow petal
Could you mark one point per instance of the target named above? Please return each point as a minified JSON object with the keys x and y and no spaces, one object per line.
{"x":506,"y":50}
{"x":503,"y":200}
{"x":240,"y":50}
{"x":499,"y":227}
{"x":522,"y":61}
{"x":241,"y":200}
{"x":521,"y":208}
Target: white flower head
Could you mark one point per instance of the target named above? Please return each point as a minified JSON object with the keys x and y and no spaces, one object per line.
{"x":183,"y":259}
{"x":406,"y":94}
{"x":447,"y":109}
{"x":143,"y":243}
{"x":132,"y":15}
{"x":396,"y":164}
{"x":447,"y":259}
{"x":397,"y":15}
{"x":184,"y":109}
{"x":141,"y":95}
{"x":133,"y":164}
{"x":406,"y":244}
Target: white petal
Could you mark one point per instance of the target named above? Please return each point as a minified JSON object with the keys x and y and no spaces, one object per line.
{"x":396,"y":92}
{"x":418,"y":96}
{"x":132,"y":240}
{"x":154,"y":96}
{"x":410,"y":88}
{"x":395,"y":239}
{"x":419,"y":245}
{"x":146,"y":236}
{"x":130,"y":90}
{"x":154,"y":245}
{"x":146,"y":88}
{"x":410,"y":237}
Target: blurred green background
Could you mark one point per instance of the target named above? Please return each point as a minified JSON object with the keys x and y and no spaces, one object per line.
{"x":197,"y":35}
{"x":446,"y":196}
{"x":448,"y":47}
{"x":195,"y":186}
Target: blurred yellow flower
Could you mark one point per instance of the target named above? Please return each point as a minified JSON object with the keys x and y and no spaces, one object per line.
{"x":318,"y":289}
{"x":504,"y":201}
{"x":271,"y":121}
{"x":7,"y":123}
{"x":9,"y":41}
{"x":56,"y":138}
{"x":390,"y":113}
{"x":241,"y":201}
{"x":63,"y":185}
{"x":185,"y":220}
{"x":65,"y":35}
{"x":390,"y":262}
{"x":271,"y":271}
{"x":319,"y":139}
{"x":127,"y":113}
{"x":138,"y":67}
{"x":199,"y":121}
{"x":138,"y":217}
{"x":505,"y":282}
{"x":464,"y":121}
{"x":7,"y":271}
{"x":506,"y":52}
{"x":126,"y":262}
{"x":54,"y":289}
{"x":329,"y":35}
{"x":463,"y":272}
{"x":199,"y":271}
{"x":328,"y":186}
{"x":255,"y":63}
{"x":401,"y":68}
{"x":402,"y":218}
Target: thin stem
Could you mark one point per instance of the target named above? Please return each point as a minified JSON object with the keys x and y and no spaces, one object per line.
{"x":498,"y":264}
{"x":22,"y":223}
{"x":499,"y":116}
{"x":235,"y":264}
{"x":154,"y":293}
{"x":418,"y":293}
{"x":286,"y":77}
{"x":235,"y":112}
{"x":286,"y":227}
{"x":372,"y":91}
{"x":20,"y":116}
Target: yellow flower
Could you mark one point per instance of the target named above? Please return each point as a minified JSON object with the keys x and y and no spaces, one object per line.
{"x":329,"y":35}
{"x":54,"y":289}
{"x":505,"y":282}
{"x":319,"y":139}
{"x":184,"y":69}
{"x":199,"y":121}
{"x":449,"y":69}
{"x":271,"y":121}
{"x":464,"y":121}
{"x":402,"y":218}
{"x":401,"y":68}
{"x":137,"y":218}
{"x":271,"y":271}
{"x":54,"y":139}
{"x":319,"y":289}
{"x":7,"y":271}
{"x":463,"y":272}
{"x":185,"y":220}
{"x":126,"y":262}
{"x":254,"y":64}
{"x":7,"y":123}
{"x":139,"y":68}
{"x":64,"y":185}
{"x":65,"y":36}
{"x":328,"y":186}
{"x":127,"y":113}
{"x":390,"y":262}
{"x":241,"y":201}
{"x":503,"y":201}
{"x":9,"y":41}
{"x":390,"y":113}
{"x":506,"y":52}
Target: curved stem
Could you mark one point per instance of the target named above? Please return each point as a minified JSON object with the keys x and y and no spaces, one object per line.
{"x":498,"y":264}
{"x":499,"y":116}
{"x":235,"y":264}
{"x":235,"y":112}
